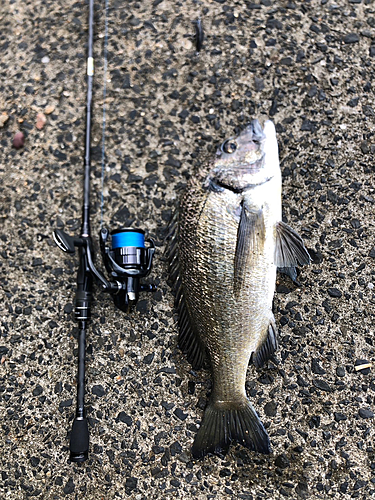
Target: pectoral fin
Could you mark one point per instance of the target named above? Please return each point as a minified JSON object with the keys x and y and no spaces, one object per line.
{"x":250,"y":240}
{"x":290,"y":250}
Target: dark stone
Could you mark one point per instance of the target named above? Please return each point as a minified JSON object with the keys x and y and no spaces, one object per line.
{"x":151,"y":180}
{"x":149,"y":358}
{"x":37,"y":262}
{"x":340,"y":416}
{"x":322,"y":385}
{"x":167,"y":406}
{"x":334,"y":292}
{"x":175,"y":448}
{"x":364,"y":413}
{"x":266,"y":379}
{"x":142,"y":306}
{"x":158,"y":473}
{"x":372,"y":253}
{"x":302,"y":490}
{"x":98,"y":390}
{"x":66,"y":403}
{"x":282,"y":461}
{"x":283,"y":289}
{"x":273,"y":109}
{"x":284,"y":320}
{"x":316,"y":368}
{"x":34,"y":461}
{"x":340,"y":371}
{"x":351,"y":38}
{"x":180,"y":414}
{"x":360,"y":483}
{"x":38,"y":390}
{"x":258,"y":84}
{"x":69,"y":487}
{"x":353,"y":102}
{"x":58,"y":388}
{"x":286,"y":61}
{"x":316,"y":256}
{"x":365,"y":148}
{"x":270,"y":409}
{"x":130,"y":484}
{"x":68,"y":308}
{"x":313,"y":91}
{"x":122,"y":214}
{"x":308,"y":126}
{"x":225,"y":472}
{"x":126,"y":419}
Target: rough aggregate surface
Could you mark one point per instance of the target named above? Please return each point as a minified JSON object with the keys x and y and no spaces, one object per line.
{"x":307,"y":65}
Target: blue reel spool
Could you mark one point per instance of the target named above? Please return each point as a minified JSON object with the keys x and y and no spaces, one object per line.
{"x":128,"y":237}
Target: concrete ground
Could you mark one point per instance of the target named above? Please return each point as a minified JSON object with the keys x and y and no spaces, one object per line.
{"x":309,"y":67}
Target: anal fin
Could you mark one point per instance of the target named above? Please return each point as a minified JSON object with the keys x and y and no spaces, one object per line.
{"x":269,"y":346}
{"x":188,"y":339}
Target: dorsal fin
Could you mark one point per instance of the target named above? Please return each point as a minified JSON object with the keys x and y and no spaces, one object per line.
{"x":188,"y":338}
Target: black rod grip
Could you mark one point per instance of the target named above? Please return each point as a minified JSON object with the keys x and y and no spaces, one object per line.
{"x":79,"y":440}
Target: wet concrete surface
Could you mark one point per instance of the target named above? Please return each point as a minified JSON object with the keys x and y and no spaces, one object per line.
{"x":306,"y":65}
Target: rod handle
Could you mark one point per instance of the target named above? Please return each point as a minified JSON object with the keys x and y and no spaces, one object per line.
{"x":79,"y":440}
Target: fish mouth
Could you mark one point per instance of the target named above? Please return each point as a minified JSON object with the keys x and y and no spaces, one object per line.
{"x":253,"y":132}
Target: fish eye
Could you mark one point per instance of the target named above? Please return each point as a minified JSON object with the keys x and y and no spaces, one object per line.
{"x":229,"y":146}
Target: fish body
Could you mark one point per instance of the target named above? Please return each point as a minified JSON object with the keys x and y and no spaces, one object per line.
{"x":227,"y":248}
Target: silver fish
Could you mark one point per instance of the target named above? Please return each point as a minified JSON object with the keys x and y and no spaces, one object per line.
{"x":228,"y":241}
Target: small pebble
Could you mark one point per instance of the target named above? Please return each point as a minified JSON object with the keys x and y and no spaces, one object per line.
{"x":18,"y":140}
{"x":41,"y":120}
{"x":3,"y":119}
{"x":45,"y":60}
{"x":49,"y":109}
{"x":187,"y":44}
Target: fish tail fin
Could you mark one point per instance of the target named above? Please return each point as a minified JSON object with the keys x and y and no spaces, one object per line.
{"x":223,"y":424}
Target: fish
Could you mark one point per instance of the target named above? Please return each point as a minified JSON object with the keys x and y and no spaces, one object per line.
{"x":227,"y":242}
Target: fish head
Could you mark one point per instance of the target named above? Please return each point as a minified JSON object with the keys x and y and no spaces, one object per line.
{"x":248,"y":159}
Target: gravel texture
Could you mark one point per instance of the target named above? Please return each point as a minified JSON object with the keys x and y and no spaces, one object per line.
{"x":309,"y":66}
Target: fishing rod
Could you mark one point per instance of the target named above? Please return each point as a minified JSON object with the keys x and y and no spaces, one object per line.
{"x":126,"y":258}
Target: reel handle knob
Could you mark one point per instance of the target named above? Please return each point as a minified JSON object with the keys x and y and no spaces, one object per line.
{"x":65,"y":242}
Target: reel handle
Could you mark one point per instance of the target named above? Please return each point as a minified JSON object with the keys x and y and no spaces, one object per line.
{"x":65,"y":242}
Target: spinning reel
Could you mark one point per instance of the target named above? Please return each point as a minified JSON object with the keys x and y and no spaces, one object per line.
{"x":127,"y":260}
